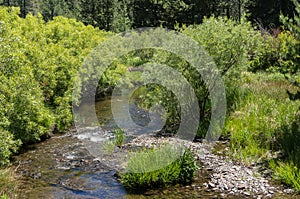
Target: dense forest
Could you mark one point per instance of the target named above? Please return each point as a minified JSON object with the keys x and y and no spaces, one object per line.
{"x":255,"y":45}
{"x":122,"y":15}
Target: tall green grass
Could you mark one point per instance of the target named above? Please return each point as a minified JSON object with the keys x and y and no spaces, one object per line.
{"x":254,"y":126}
{"x":287,"y":167}
{"x":265,"y":126}
{"x":158,"y":167}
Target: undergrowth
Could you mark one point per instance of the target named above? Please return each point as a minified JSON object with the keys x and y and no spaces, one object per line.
{"x":265,"y":126}
{"x":8,"y":184}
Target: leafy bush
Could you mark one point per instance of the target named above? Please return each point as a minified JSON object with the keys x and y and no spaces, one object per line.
{"x":294,"y":26}
{"x":158,"y":167}
{"x":230,"y":44}
{"x":275,"y":53}
{"x":38,"y":65}
{"x":7,"y":146}
{"x":227,"y":42}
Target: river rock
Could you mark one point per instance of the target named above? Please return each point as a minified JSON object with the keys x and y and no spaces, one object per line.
{"x":226,"y":176}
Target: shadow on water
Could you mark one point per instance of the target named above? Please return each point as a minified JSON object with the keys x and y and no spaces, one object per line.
{"x":61,"y":167}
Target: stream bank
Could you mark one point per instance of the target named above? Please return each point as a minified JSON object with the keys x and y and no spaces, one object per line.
{"x":62,"y":167}
{"x":224,"y":176}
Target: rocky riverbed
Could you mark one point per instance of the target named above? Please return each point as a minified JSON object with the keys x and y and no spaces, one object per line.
{"x":63,"y":167}
{"x":227,"y":177}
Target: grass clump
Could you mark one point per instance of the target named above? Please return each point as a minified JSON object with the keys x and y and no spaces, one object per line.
{"x":287,"y":172}
{"x":8,"y":184}
{"x":108,"y":147}
{"x":287,"y":166}
{"x":119,"y":137}
{"x":158,"y":167}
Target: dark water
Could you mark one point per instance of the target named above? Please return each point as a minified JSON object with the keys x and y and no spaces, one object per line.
{"x":62,"y":167}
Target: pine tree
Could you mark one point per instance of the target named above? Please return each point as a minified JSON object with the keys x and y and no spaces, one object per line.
{"x":122,"y":15}
{"x":267,"y":12}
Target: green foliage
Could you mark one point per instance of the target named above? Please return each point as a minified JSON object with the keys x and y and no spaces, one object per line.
{"x":53,"y":8}
{"x":275,"y":54}
{"x":267,"y":12}
{"x":254,"y":126}
{"x":228,"y":42}
{"x":7,"y":146}
{"x":188,"y":167}
{"x":293,"y":25}
{"x":158,"y":167}
{"x":122,"y":15}
{"x":286,"y":167}
{"x":116,"y":15}
{"x":8,"y":184}
{"x":108,"y":15}
{"x":38,"y":65}
{"x":108,"y":147}
{"x":287,"y":172}
{"x":119,"y":137}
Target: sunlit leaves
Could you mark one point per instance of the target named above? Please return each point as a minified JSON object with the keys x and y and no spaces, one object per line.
{"x":38,"y":62}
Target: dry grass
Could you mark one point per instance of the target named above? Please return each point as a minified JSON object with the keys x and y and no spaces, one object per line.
{"x":8,"y":184}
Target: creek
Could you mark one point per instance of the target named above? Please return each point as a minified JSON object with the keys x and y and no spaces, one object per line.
{"x":62,"y":167}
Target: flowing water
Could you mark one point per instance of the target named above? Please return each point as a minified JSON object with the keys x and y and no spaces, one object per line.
{"x":62,"y":167}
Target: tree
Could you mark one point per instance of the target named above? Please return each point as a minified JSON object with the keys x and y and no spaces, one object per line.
{"x":97,"y":13}
{"x":267,"y":12}
{"x":26,"y":6}
{"x":52,"y":8}
{"x":122,"y":15}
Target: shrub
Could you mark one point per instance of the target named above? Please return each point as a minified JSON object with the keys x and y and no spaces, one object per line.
{"x":275,"y":53}
{"x":158,"y":168}
{"x":227,"y":42}
{"x":230,"y":44}
{"x":7,"y":146}
{"x":293,"y":25}
{"x":38,"y":65}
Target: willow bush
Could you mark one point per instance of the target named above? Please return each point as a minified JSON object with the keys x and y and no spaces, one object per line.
{"x":231,"y":44}
{"x":38,"y":63}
